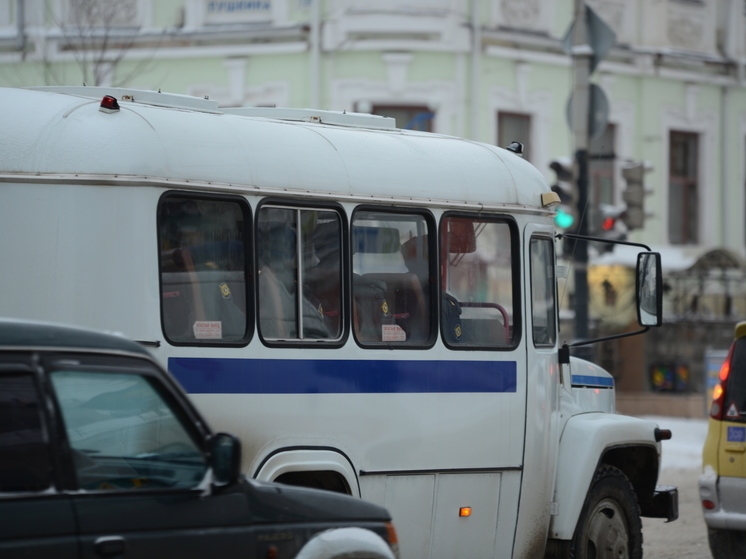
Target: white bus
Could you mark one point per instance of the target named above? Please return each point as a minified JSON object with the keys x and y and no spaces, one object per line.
{"x":371,"y":310}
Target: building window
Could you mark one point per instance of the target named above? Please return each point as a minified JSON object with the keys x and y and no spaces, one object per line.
{"x":513,"y":127}
{"x":408,"y":117}
{"x":683,"y":222}
{"x":601,"y":168}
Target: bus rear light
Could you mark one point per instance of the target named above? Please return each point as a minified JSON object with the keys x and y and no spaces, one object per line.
{"x":464,"y":511}
{"x":109,"y":104}
{"x":709,"y":505}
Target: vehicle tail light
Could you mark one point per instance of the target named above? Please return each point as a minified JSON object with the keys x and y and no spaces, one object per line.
{"x":709,"y":505}
{"x":718,"y":394}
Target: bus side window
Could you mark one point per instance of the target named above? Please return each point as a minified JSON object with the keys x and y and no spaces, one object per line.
{"x":543,"y":289}
{"x":392,"y":284}
{"x":299,"y":247}
{"x":203,"y":266}
{"x":478,"y":283}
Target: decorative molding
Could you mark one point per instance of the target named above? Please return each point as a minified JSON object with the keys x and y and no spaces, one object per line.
{"x":348,"y":29}
{"x":238,"y":94}
{"x":520,"y":13}
{"x":692,"y":26}
{"x":441,"y":97}
{"x":397,"y":66}
{"x":535,"y":15}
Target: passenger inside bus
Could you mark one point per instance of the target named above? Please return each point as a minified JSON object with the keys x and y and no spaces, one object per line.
{"x":202,"y":270}
{"x":389,"y":298}
{"x":278,"y":278}
{"x":415,"y":253}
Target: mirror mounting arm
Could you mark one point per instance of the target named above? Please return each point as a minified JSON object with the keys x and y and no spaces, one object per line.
{"x":564,"y":352}
{"x":600,"y":240}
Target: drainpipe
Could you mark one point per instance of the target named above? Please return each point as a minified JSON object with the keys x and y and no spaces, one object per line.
{"x":725,"y":200}
{"x":476,"y":64}
{"x":315,"y":38}
{"x":21,"y":23}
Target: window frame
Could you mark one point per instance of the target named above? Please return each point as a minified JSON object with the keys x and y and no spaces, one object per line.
{"x":432,"y":307}
{"x":248,"y":254}
{"x":17,"y":363}
{"x":515,"y":249}
{"x":527,"y":117}
{"x":690,"y":208}
{"x":295,"y":204}
{"x":417,"y":109}
{"x":555,"y":309}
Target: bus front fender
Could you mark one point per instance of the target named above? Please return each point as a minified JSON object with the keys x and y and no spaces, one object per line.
{"x":590,"y":440}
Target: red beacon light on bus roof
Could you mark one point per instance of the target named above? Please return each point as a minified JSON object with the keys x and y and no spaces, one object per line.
{"x":109,"y":104}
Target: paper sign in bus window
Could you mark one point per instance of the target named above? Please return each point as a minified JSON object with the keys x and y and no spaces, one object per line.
{"x":393,"y":333}
{"x":208,"y":330}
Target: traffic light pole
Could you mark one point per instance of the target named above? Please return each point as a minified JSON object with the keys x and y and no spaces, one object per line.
{"x":581,"y":55}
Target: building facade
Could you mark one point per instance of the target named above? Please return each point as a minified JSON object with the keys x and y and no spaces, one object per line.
{"x":489,"y":70}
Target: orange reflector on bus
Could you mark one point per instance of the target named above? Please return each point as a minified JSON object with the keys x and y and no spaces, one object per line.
{"x":464,"y":511}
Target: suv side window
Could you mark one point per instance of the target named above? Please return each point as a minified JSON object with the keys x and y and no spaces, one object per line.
{"x":122,"y":432}
{"x":24,"y":454}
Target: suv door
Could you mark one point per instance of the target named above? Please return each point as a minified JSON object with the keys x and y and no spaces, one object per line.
{"x":27,"y":488}
{"x":140,"y":465}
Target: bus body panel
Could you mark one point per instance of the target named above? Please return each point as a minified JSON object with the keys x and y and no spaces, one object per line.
{"x":425,"y":431}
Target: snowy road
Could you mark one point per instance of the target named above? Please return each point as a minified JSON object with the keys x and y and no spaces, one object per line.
{"x":685,"y":538}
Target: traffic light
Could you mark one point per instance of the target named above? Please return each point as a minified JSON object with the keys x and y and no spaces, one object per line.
{"x":634,"y":194}
{"x":606,"y":223}
{"x":567,"y":212}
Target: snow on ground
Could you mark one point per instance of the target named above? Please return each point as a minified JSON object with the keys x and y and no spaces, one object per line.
{"x":684,"y":449}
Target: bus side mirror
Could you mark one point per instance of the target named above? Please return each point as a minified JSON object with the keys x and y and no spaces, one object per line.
{"x":649,"y":289}
{"x":225,"y":459}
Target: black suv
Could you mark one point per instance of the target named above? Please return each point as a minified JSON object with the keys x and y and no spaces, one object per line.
{"x":102,"y":454}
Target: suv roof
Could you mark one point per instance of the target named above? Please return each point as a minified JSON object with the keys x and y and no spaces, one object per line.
{"x":22,"y":333}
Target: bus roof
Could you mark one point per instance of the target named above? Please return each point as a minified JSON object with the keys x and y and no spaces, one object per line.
{"x":47,"y":133}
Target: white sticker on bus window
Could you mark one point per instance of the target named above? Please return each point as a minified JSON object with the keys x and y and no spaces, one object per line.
{"x":393,"y":333}
{"x":208,"y":329}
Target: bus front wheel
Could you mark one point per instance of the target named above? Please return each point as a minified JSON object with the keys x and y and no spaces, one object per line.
{"x":609,"y":524}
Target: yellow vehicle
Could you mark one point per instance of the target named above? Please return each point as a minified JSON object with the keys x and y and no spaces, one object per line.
{"x":722,"y":485}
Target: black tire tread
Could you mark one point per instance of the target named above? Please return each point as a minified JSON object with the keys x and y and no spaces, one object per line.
{"x":618,"y":480}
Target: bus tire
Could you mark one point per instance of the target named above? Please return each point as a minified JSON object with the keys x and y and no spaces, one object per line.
{"x":727,"y":544}
{"x":609,"y":524}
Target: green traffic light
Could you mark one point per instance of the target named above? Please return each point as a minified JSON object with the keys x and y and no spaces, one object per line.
{"x":563,"y":220}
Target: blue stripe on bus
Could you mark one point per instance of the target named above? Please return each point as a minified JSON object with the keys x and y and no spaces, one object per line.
{"x":205,"y":375}
{"x":587,"y":380}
